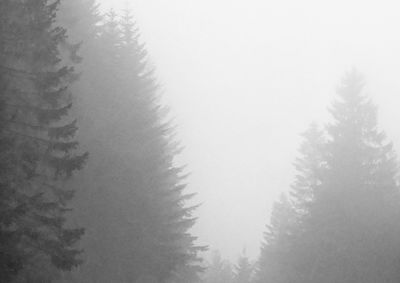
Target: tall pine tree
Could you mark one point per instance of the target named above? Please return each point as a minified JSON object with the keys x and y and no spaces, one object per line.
{"x":37,"y":135}
{"x":135,"y":208}
{"x":353,"y":224}
{"x":273,"y":264}
{"x":345,"y":198}
{"x":161,"y":183}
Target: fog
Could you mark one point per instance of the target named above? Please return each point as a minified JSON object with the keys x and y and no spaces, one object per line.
{"x":244,"y":78}
{"x":214,"y":141}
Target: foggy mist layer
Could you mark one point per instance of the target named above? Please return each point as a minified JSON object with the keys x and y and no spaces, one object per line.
{"x":244,"y":79}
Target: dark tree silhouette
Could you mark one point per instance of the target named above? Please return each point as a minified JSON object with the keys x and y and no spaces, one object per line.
{"x":38,"y":144}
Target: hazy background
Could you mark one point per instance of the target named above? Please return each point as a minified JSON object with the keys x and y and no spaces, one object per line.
{"x":244,"y":78}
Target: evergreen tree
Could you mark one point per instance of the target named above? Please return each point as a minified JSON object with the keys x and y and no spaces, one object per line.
{"x":345,"y":198}
{"x":102,"y":208}
{"x":309,"y":167}
{"x":11,"y":258}
{"x":353,"y":226}
{"x":273,"y":262}
{"x":37,"y":135}
{"x":243,"y":270}
{"x":87,"y":18}
{"x":218,"y":270}
{"x":289,"y":214}
{"x":134,"y":210}
{"x":167,"y":218}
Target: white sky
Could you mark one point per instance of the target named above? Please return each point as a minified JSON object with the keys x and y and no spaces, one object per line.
{"x":244,"y":78}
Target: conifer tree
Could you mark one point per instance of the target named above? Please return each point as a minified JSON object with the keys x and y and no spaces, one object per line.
{"x":80,"y":41}
{"x":39,"y":142}
{"x":135,"y":210}
{"x":218,"y":270}
{"x":243,"y":270}
{"x":167,"y":218}
{"x":345,"y":198}
{"x":353,"y":226}
{"x":11,"y":258}
{"x":278,"y":239}
{"x":309,"y":167}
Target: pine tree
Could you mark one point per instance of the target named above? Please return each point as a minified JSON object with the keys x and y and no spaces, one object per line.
{"x":309,"y":169}
{"x":102,"y":208}
{"x":80,"y":41}
{"x":218,"y":270}
{"x":243,"y":270}
{"x":345,"y":200}
{"x":110,"y":41}
{"x":11,"y":258}
{"x":353,"y":226}
{"x":82,"y":21}
{"x":38,"y":138}
{"x":171,"y":244}
{"x":135,"y":207}
{"x":273,"y":264}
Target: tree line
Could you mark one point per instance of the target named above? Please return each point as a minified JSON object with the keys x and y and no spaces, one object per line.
{"x":113,"y":207}
{"x":90,"y":190}
{"x":339,"y":220}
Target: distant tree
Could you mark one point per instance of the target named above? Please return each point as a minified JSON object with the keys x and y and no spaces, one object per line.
{"x":109,"y":40}
{"x":187,"y":273}
{"x":243,"y":270}
{"x":345,"y":198}
{"x":218,"y":270}
{"x":309,"y":167}
{"x":278,"y":239}
{"x":38,"y":145}
{"x":353,"y":228}
{"x":83,"y":27}
{"x":11,"y":257}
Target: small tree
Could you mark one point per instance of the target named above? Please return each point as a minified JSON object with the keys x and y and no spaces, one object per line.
{"x":218,"y":271}
{"x":243,"y":270}
{"x":278,"y":240}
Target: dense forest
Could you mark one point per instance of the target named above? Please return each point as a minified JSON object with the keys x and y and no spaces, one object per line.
{"x":124,"y":218}
{"x":91,"y":190}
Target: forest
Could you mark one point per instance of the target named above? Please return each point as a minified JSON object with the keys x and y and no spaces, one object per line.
{"x":91,"y":191}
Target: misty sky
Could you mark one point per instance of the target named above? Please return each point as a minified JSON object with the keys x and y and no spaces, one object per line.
{"x":244,"y":78}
